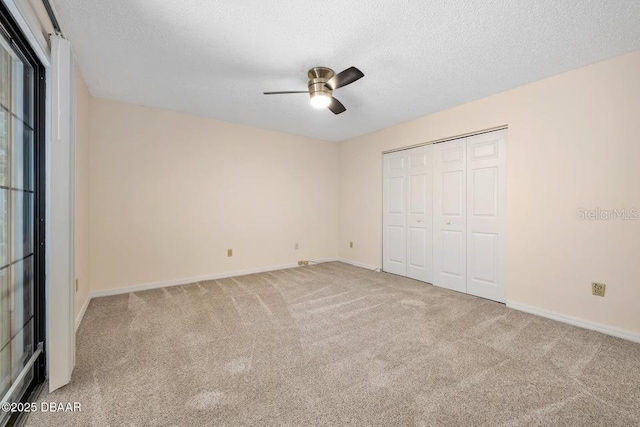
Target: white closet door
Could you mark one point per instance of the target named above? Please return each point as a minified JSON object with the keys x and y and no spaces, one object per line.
{"x":394,"y":218}
{"x":419,"y":213}
{"x":449,"y":215}
{"x":486,"y":209}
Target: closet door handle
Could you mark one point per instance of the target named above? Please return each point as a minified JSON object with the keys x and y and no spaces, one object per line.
{"x":447,"y":222}
{"x":419,"y":220}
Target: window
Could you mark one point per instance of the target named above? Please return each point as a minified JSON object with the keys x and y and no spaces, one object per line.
{"x":21,"y":215}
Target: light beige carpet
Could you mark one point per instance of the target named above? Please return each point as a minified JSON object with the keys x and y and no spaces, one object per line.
{"x":337,"y":345}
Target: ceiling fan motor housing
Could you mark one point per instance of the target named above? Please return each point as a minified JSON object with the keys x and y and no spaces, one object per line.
{"x":318,"y":77}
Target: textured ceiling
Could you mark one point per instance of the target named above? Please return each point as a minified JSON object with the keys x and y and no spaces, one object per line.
{"x":215,"y":58}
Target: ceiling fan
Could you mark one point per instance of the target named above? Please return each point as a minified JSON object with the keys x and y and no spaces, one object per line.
{"x":322,"y":82}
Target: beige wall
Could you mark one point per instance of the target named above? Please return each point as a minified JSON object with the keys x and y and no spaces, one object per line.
{"x":81,"y":214}
{"x":171,"y":192}
{"x":573,"y":142}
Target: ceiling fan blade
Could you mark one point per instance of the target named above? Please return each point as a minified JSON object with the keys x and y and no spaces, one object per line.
{"x":336,"y":106}
{"x":286,"y":92}
{"x":344,"y":78}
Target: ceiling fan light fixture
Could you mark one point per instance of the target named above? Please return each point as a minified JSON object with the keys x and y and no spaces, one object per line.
{"x":320,"y":99}
{"x":322,"y":82}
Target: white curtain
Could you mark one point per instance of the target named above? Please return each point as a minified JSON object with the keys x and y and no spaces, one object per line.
{"x":60,"y":171}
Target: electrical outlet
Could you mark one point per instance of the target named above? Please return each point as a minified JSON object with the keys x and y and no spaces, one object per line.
{"x":297,"y":246}
{"x":229,"y":252}
{"x":301,"y":263}
{"x":77,"y":284}
{"x":351,"y":245}
{"x":598,"y":289}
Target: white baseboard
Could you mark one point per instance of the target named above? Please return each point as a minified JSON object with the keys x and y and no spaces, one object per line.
{"x":587,"y":324}
{"x":358,"y":264}
{"x":148,"y":286}
{"x":82,"y":311}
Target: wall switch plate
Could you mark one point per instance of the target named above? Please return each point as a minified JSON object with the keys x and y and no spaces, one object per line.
{"x":598,"y":289}
{"x":229,"y":252}
{"x":351,"y":244}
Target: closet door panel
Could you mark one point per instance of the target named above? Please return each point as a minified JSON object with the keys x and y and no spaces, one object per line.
{"x":486,"y":216}
{"x":394,"y":217}
{"x":449,"y":215}
{"x":419,"y":213}
{"x":453,"y":262}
